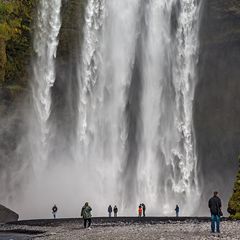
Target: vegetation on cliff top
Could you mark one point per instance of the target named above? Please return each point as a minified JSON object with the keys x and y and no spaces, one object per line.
{"x":15,"y":42}
{"x":234,"y":202}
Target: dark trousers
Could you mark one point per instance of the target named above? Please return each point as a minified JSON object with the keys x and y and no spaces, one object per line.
{"x":215,"y":223}
{"x":144,"y":213}
{"x":89,"y":220}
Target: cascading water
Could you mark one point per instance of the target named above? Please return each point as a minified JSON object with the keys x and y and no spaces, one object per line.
{"x":157,"y":107}
{"x":184,"y":80}
{"x":35,"y":146}
{"x":134,"y":140}
{"x":164,"y":169}
{"x":105,"y":75}
{"x":167,"y":161}
{"x":35,"y":152}
{"x":45,"y":44}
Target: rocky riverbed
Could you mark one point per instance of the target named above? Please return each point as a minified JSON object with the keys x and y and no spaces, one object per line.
{"x":121,"y":231}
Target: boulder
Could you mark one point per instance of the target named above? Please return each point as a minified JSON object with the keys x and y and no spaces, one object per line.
{"x":7,"y":215}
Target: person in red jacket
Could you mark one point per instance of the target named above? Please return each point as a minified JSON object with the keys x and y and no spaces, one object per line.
{"x":140,"y":210}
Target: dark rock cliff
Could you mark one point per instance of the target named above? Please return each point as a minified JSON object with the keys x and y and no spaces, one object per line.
{"x":65,"y":90}
{"x":217,"y":102}
{"x":7,"y":215}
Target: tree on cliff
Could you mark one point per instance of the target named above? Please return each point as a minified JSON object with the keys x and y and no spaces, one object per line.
{"x":15,"y":21}
{"x":234,"y":202}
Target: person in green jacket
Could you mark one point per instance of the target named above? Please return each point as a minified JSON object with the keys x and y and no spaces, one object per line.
{"x":86,"y":214}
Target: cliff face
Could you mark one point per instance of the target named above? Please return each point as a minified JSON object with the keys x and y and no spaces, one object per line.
{"x":217,"y":102}
{"x":65,"y":90}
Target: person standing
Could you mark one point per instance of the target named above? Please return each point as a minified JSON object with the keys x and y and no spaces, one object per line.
{"x":177,"y":210}
{"x":140,"y":210}
{"x":115,"y":210}
{"x":86,"y":214}
{"x":215,"y":205}
{"x":110,"y":211}
{"x":54,"y":211}
{"x":144,"y":210}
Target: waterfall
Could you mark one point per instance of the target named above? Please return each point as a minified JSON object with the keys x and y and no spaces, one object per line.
{"x":45,"y":44}
{"x":135,"y":81}
{"x":35,"y":146}
{"x":184,"y":80}
{"x":163,"y":172}
{"x":168,"y":160}
{"x":157,"y":113}
{"x":104,"y":78}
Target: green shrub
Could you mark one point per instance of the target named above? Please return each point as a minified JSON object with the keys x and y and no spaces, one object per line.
{"x":234,"y":202}
{"x":15,"y":29}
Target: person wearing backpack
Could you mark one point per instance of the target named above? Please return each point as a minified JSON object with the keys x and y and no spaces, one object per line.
{"x":86,"y":214}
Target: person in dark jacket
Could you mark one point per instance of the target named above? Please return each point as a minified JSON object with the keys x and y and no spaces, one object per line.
{"x":115,"y":210}
{"x":86,"y":214}
{"x":177,"y":210}
{"x":215,"y":205}
{"x":110,"y":210}
{"x":144,"y":210}
{"x":54,"y":211}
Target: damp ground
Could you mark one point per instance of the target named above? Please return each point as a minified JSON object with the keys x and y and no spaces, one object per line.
{"x":119,"y":230}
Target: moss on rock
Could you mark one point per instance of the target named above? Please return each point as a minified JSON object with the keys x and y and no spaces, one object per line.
{"x":15,"y":43}
{"x":3,"y":59}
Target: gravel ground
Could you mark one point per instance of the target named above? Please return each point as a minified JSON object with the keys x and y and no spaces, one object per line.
{"x":121,"y":231}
